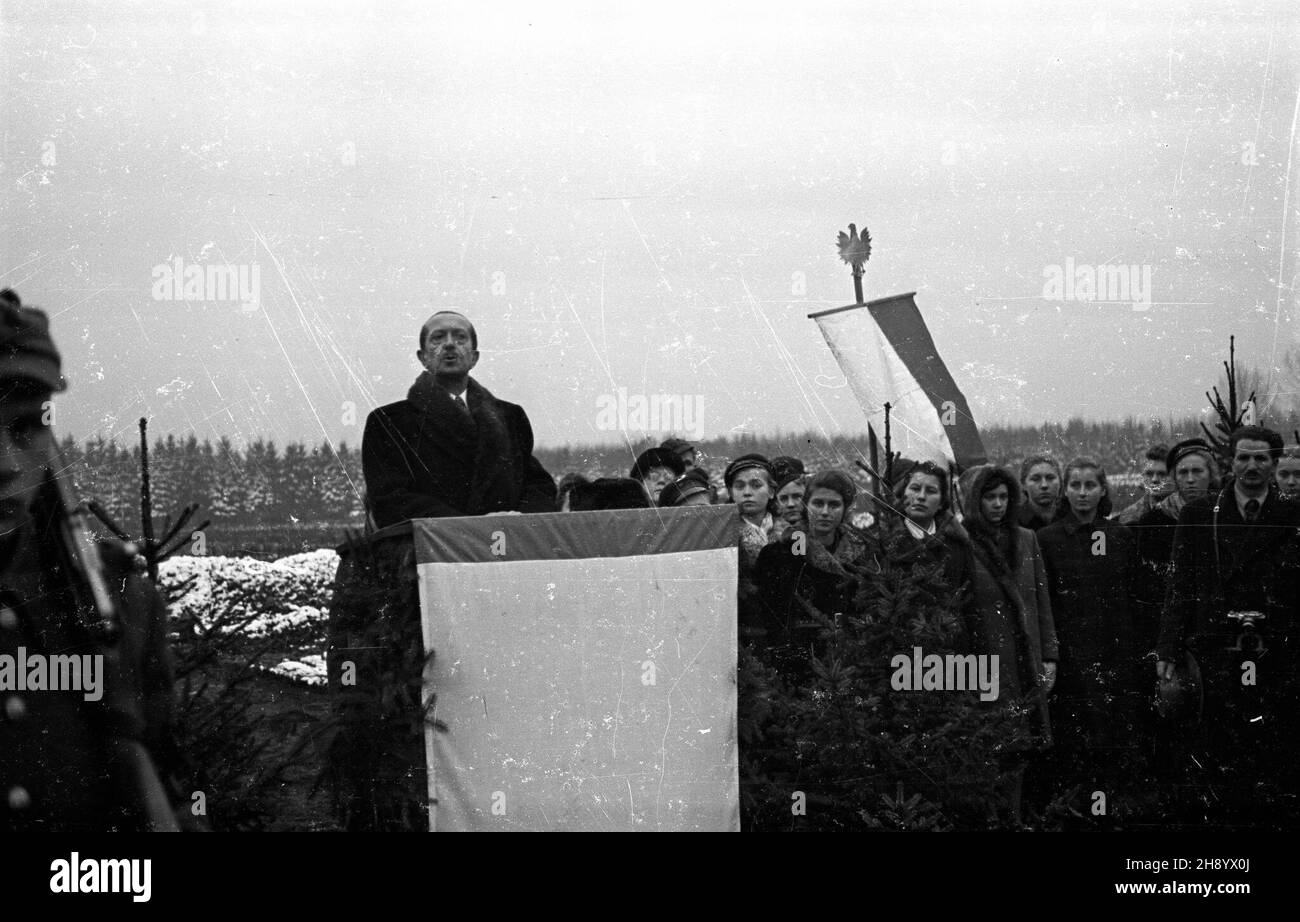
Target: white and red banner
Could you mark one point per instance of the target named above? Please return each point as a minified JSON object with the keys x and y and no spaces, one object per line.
{"x":888,"y":356}
{"x":585,"y":667}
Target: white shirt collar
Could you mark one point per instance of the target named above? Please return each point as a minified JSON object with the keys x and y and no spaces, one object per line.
{"x":1242,"y":499}
{"x":917,"y":532}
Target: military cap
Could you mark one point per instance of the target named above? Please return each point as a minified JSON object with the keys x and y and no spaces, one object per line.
{"x":26,"y":350}
{"x":1188,"y":447}
{"x":679,"y":491}
{"x":744,"y":463}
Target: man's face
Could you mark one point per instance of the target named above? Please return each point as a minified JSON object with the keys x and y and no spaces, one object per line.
{"x":688,"y":458}
{"x":1192,"y":475}
{"x":1043,"y":485}
{"x":1154,"y":474}
{"x":24,"y":443}
{"x":447,"y":348}
{"x":656,"y":480}
{"x":1252,"y":464}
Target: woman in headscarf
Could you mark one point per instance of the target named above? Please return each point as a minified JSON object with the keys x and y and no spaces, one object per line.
{"x":1013,"y":609}
{"x":819,"y":568}
{"x":1093,"y":572}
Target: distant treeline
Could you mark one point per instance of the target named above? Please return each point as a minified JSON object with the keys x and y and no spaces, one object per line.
{"x":255,"y":486}
{"x":1116,"y":445}
{"x":265,"y":485}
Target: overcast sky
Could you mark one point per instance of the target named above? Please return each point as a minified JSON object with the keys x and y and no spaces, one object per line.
{"x":645,"y":199}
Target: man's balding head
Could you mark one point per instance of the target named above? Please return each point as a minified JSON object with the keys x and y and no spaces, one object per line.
{"x":449,"y":349}
{"x":428,"y":325}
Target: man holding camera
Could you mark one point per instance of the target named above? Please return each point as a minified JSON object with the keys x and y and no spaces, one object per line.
{"x":1232,"y":602}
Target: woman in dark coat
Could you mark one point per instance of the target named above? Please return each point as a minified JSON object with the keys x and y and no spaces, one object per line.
{"x":937,"y":539}
{"x":751,"y":486}
{"x":1040,"y":483}
{"x":1093,"y":572}
{"x":1013,"y":609}
{"x":818,"y":569}
{"x":1012,"y":602}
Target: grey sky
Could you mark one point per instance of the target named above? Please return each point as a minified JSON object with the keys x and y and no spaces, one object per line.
{"x":634,"y":199}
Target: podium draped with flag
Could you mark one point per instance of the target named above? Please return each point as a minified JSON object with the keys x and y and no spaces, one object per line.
{"x":585,"y":669}
{"x":888,"y":356}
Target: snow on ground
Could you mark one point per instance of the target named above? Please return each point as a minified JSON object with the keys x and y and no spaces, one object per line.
{"x":287,"y":599}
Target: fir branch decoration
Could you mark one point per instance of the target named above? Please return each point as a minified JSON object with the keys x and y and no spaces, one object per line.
{"x":1231,"y":414}
{"x":374,"y":741}
{"x":866,"y":756}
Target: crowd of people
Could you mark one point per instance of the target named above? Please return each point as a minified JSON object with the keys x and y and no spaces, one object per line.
{"x":1148,"y":651}
{"x":1150,"y":648}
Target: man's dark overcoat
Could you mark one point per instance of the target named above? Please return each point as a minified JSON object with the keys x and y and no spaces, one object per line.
{"x":1222,"y":564}
{"x":426,"y":457}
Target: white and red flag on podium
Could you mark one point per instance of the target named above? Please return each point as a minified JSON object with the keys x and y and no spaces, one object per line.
{"x":585,"y":668}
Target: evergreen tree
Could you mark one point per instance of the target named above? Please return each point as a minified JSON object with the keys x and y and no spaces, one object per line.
{"x":296,"y":486}
{"x":262,"y":476}
{"x":845,"y":750}
{"x":195,"y":472}
{"x":229,"y":494}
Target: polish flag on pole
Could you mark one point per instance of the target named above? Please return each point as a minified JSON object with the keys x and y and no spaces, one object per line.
{"x":888,"y":356}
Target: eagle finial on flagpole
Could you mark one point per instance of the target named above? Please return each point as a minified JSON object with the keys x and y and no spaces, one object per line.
{"x":855,"y":251}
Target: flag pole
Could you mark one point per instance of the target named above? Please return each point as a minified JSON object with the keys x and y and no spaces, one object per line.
{"x":889,"y":452}
{"x":873,"y":454}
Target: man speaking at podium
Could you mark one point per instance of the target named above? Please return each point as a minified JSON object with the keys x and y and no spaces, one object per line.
{"x":451,"y":448}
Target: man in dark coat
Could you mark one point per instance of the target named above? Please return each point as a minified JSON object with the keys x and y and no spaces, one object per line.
{"x":1234,"y":604}
{"x":1157,"y":484}
{"x":451,"y":448}
{"x":76,"y":754}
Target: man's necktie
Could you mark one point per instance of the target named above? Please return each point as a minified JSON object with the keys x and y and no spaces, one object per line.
{"x":1252,"y":510}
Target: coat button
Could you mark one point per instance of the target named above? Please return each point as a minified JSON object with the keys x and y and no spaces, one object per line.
{"x":8,"y":619}
{"x":19,"y":799}
{"x":15,"y":708}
